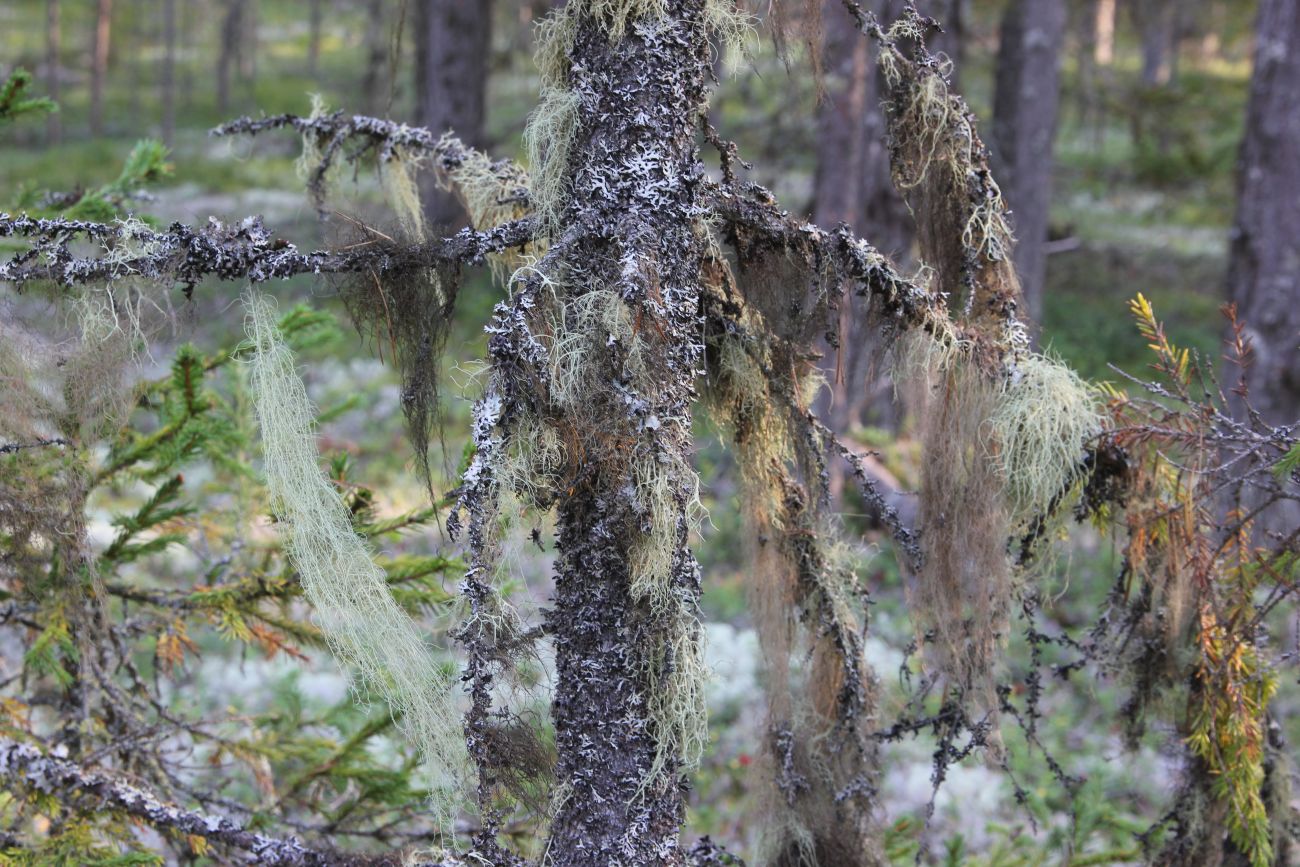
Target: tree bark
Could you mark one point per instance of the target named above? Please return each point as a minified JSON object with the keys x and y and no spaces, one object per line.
{"x":53,"y":47}
{"x":1264,"y":259}
{"x":99,"y":64}
{"x":452,"y":47}
{"x":1026,"y":98}
{"x":634,"y":175}
{"x":167,"y":80}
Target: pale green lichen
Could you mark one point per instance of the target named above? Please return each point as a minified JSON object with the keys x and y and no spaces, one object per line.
{"x":397,"y":177}
{"x":1045,"y":414}
{"x":369,"y":633}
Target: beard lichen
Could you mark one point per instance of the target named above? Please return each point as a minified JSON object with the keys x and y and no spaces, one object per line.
{"x":815,"y":804}
{"x":397,"y":176}
{"x":374,"y":639}
{"x":1045,"y":415}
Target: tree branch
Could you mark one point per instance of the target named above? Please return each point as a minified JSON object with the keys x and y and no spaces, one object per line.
{"x":24,"y":764}
{"x":241,"y":251}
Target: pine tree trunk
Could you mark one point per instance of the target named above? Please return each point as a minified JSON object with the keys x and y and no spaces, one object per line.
{"x":99,"y":64}
{"x":53,"y":47}
{"x":1264,"y":262}
{"x":452,"y":48}
{"x":1026,"y":97}
{"x":167,"y":80}
{"x":231,"y":31}
{"x":1105,"y":51}
{"x":635,"y":177}
{"x":374,"y":82}
{"x":1155,"y":22}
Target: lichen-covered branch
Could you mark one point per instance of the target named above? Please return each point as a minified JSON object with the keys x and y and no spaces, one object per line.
{"x":246,"y":250}
{"x":23,"y":766}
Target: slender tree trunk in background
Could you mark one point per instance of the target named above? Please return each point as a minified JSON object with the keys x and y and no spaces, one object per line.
{"x":167,"y":80}
{"x":231,"y":29}
{"x":248,"y":47}
{"x":852,"y":185}
{"x":374,"y":81}
{"x":99,"y":64}
{"x":53,"y":47}
{"x":1083,"y":24}
{"x":1264,"y":260}
{"x":1026,"y":97}
{"x":1105,"y":25}
{"x":316,"y":13}
{"x":452,"y":47}
{"x":184,"y":41}
{"x":1155,"y":22}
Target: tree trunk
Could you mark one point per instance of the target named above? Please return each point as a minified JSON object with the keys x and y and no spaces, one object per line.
{"x":316,"y":13}
{"x":374,"y":82}
{"x":53,"y":47}
{"x":852,"y":185}
{"x":167,"y":80}
{"x":1264,"y":260}
{"x":634,"y":175}
{"x":1026,"y":96}
{"x":231,"y":30}
{"x":452,"y":47}
{"x":99,"y":64}
{"x":1105,"y":51}
{"x":1083,"y":24}
{"x":1155,"y":22}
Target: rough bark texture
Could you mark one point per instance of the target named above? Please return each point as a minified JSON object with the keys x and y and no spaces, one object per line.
{"x":1264,"y":264}
{"x":99,"y":63}
{"x":1026,"y":97}
{"x":452,"y":47}
{"x":635,"y":179}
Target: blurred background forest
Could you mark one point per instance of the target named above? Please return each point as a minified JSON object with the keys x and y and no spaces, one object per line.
{"x":1150,"y":106}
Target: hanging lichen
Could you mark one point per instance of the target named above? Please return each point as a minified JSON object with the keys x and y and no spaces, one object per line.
{"x":373,"y":638}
